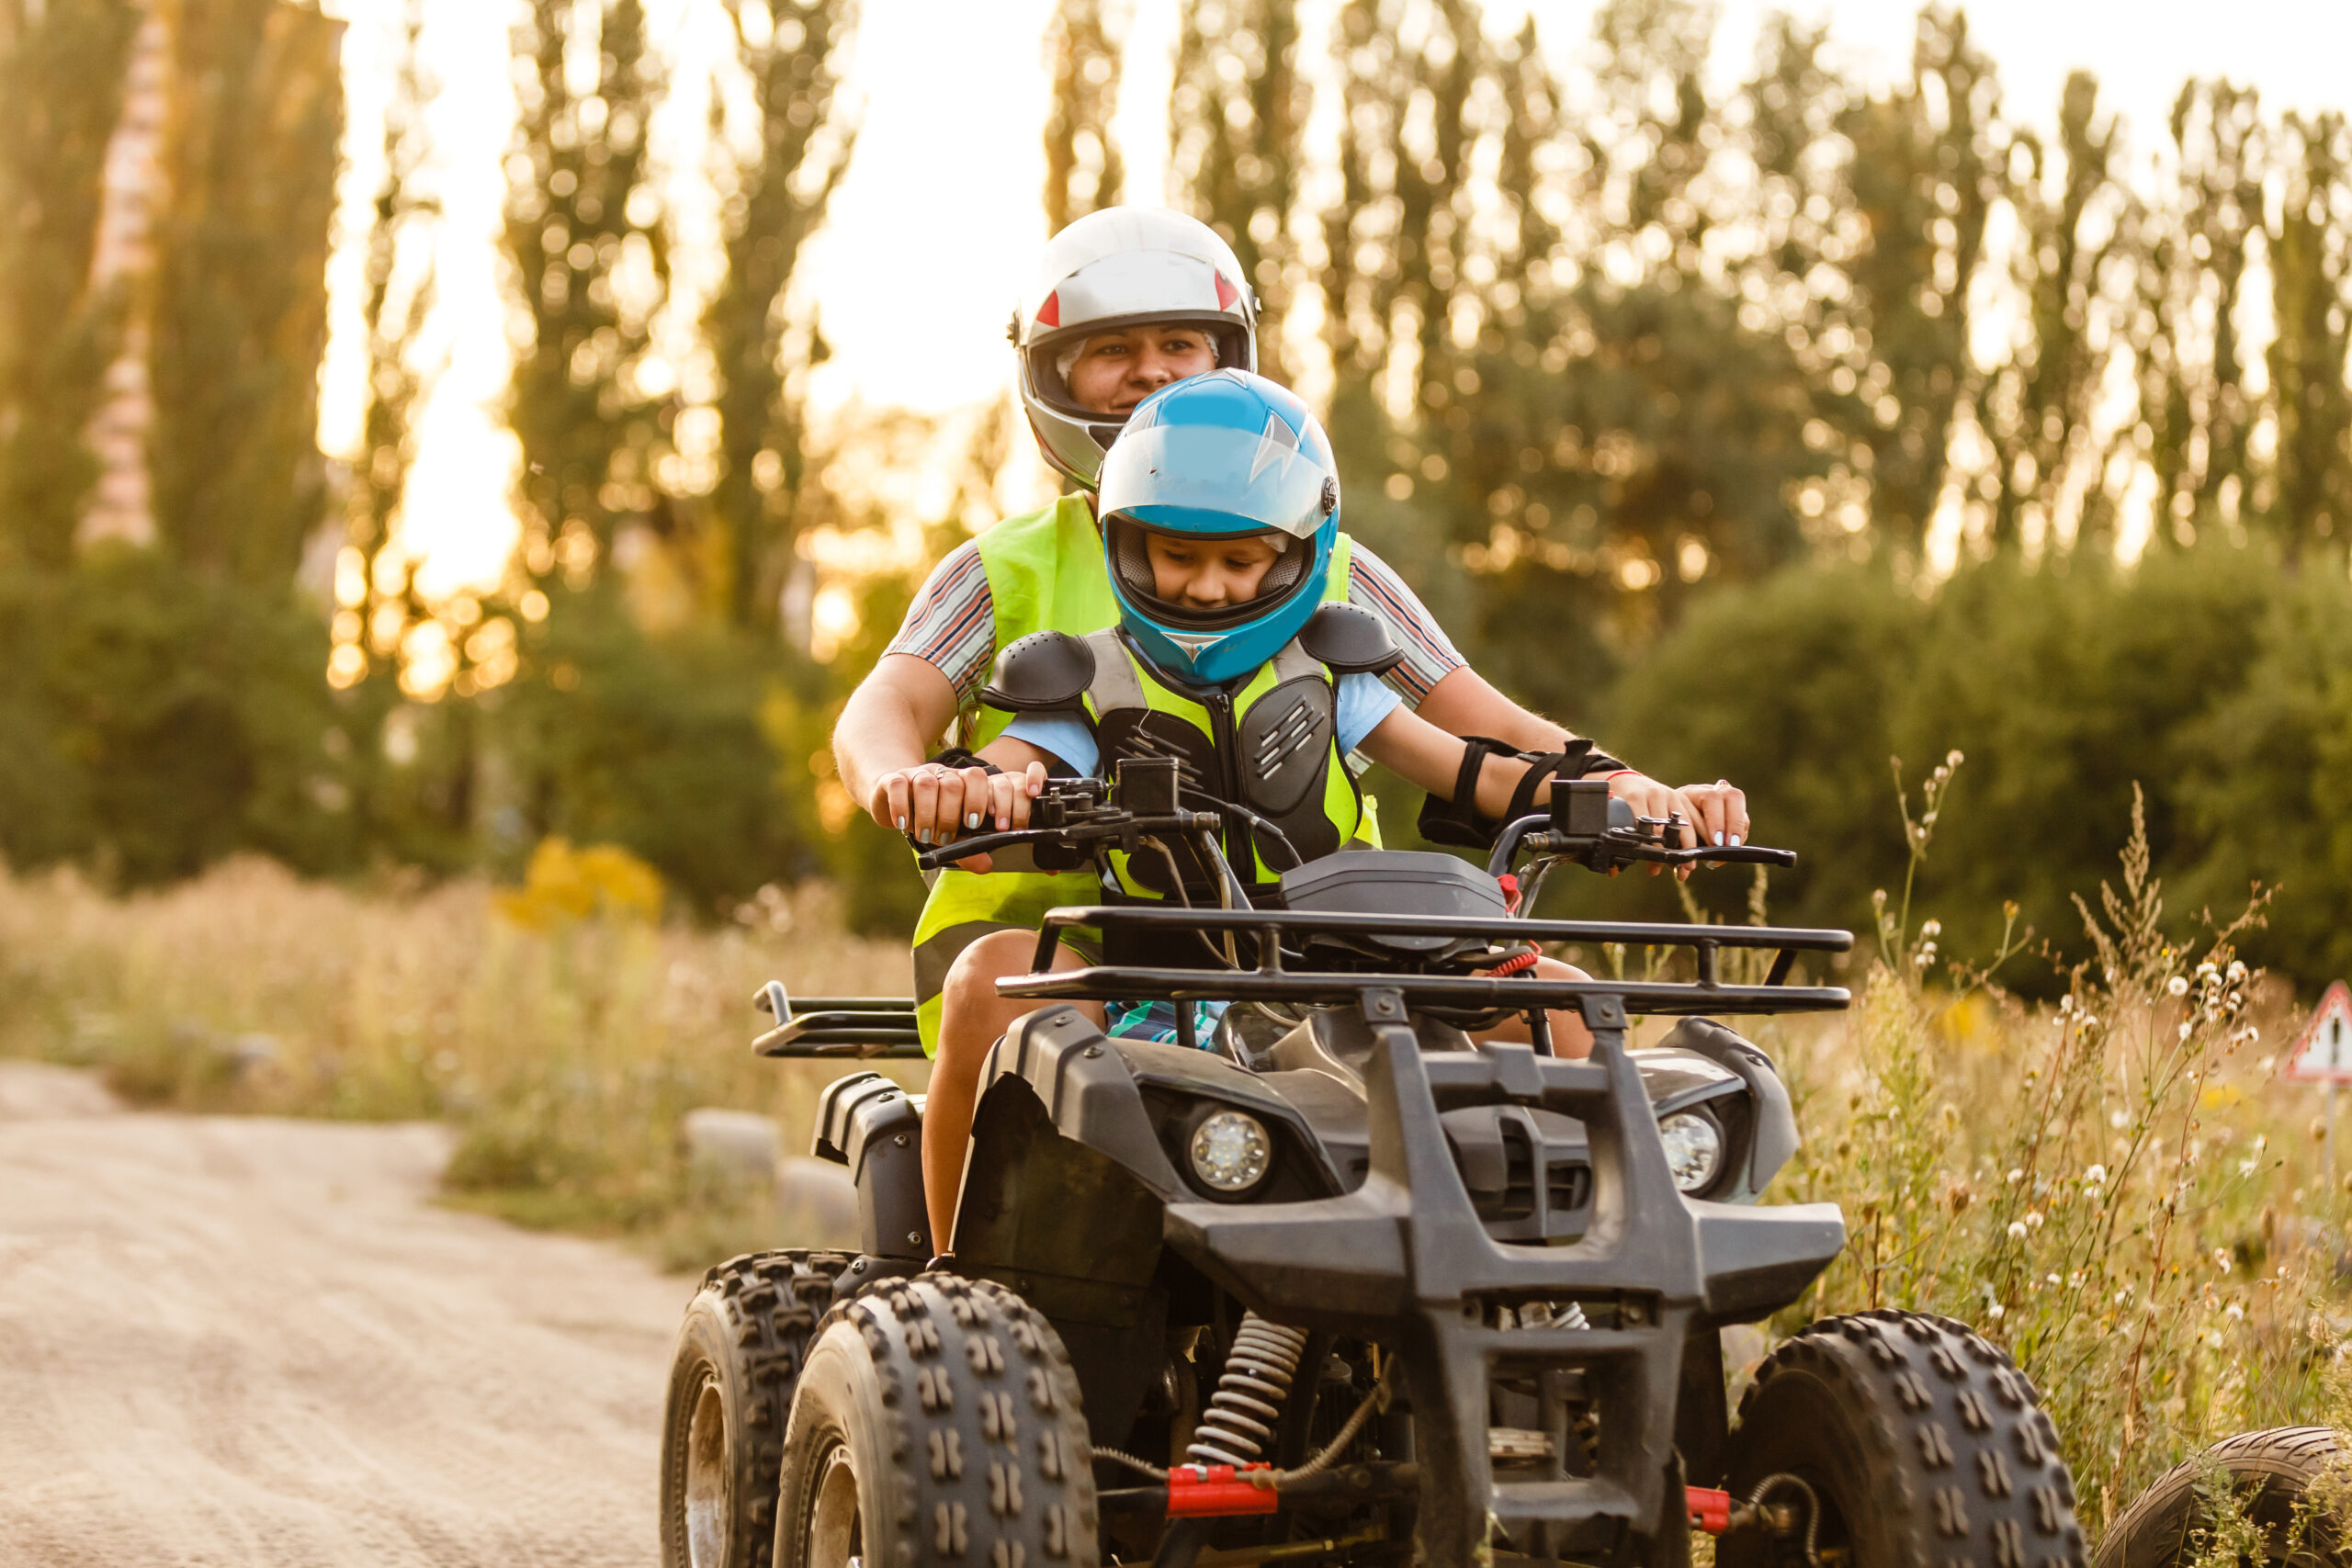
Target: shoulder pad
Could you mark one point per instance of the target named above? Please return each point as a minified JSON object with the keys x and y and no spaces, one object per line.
{"x":1350,"y":639}
{"x":1041,"y":672}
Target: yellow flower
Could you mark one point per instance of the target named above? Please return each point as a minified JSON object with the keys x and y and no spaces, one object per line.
{"x":564,"y":885}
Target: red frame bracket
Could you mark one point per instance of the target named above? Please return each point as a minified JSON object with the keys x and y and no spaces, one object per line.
{"x":1198,"y":1491}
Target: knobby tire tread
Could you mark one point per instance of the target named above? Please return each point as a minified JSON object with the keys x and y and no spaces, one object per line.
{"x":981,"y":1422}
{"x":1955,"y":1463}
{"x":769,"y":1305}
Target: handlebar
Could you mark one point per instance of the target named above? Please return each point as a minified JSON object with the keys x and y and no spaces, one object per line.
{"x":1584,"y":823}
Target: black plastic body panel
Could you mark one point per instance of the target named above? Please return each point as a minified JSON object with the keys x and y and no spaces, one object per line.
{"x":873,"y":1126}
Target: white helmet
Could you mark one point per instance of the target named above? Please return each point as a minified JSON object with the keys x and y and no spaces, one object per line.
{"x":1124,"y":266}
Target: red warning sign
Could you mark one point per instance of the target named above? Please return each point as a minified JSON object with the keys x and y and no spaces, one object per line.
{"x":2323,"y":1052}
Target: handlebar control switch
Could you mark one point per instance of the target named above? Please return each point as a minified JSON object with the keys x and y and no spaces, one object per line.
{"x":1147,"y":786}
{"x":1580,"y":807}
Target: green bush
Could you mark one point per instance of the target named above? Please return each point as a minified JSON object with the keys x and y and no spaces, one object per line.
{"x":2213,"y":680}
{"x":615,"y":736}
{"x":152,"y":722}
{"x":2266,"y":783}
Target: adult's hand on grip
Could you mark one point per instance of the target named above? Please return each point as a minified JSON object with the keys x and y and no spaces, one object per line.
{"x":1713,"y":815}
{"x":933,"y":803}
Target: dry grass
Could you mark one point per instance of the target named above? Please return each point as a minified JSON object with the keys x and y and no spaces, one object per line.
{"x":2117,"y":1187}
{"x":564,"y":1046}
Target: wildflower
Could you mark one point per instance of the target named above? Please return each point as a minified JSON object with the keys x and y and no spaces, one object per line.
{"x":2222,"y":1258}
{"x":2237,"y":971}
{"x":1996,"y":1311}
{"x":2017,"y":1174}
{"x":2033,"y":1218}
{"x":2055,"y":1280}
{"x":2234,"y":1311}
{"x":2123,"y":1296}
{"x":2185,"y":1031}
{"x":2066,"y":1005}
{"x":2094,"y":1177}
{"x":2177,"y":986}
{"x":1932,"y":929}
{"x":1953,"y":759}
{"x":2017,"y":1230}
{"x":2118,"y":1120}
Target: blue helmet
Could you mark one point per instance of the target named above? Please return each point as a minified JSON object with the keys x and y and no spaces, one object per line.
{"x":1217,"y":456}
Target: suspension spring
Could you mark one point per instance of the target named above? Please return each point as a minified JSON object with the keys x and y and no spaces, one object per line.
{"x":1238,"y":1427}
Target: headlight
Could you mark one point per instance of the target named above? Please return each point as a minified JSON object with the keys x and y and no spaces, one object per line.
{"x":1230,"y":1151}
{"x":1694,"y":1149}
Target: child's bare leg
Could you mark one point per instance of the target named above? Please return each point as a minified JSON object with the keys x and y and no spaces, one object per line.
{"x":1569,"y":1036}
{"x":972,"y":1018}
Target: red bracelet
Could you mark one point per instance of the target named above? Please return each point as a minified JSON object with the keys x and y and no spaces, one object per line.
{"x":1621,"y":773}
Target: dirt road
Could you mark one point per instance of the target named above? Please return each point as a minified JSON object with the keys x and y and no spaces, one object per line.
{"x":242,"y":1341}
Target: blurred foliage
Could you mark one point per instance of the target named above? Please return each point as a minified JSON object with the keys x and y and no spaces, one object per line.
{"x":1083,"y":172}
{"x":61,"y":75}
{"x":240,"y":315}
{"x":1680,"y":402}
{"x":585,"y":234}
{"x":151,"y":722}
{"x":739,"y":539}
{"x":2205,"y":678}
{"x":565,"y":884}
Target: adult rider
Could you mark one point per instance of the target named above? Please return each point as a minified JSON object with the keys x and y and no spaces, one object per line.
{"x":1124,"y":301}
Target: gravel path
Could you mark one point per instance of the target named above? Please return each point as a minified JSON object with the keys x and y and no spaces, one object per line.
{"x":249,"y":1341}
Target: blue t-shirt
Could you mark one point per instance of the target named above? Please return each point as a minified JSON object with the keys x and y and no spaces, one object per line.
{"x":1362,"y":701}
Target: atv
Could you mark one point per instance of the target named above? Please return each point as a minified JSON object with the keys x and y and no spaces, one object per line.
{"x":1345,"y":1286}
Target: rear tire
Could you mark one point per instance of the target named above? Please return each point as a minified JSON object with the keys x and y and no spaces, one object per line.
{"x":2271,"y":1472}
{"x":1923,"y":1443}
{"x":937,"y":1422}
{"x":731,"y":1394}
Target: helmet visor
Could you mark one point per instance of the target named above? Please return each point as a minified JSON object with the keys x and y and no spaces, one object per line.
{"x":1214,"y":478}
{"x":1125,"y":540}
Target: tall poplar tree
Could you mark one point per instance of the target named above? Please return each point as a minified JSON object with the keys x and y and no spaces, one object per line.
{"x":62,"y":78}
{"x":240,"y":315}
{"x":1083,"y":171}
{"x":791,"y":53}
{"x":2310,"y":255}
{"x":393,"y":312}
{"x":581,"y":217}
{"x":1237,"y":116}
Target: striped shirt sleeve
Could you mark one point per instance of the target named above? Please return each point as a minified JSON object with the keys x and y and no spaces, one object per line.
{"x":1429,"y":657}
{"x":951,"y":626}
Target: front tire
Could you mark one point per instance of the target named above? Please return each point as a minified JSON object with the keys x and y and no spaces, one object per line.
{"x":1921,"y":1443}
{"x":2272,"y":1473}
{"x":937,"y":1422}
{"x":731,"y":1394}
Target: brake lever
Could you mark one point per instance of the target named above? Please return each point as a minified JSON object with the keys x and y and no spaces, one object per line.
{"x":983,"y":843}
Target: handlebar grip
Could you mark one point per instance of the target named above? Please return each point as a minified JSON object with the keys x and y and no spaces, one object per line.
{"x":979,"y":843}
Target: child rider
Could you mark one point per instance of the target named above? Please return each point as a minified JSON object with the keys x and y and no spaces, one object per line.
{"x":1220,"y":507}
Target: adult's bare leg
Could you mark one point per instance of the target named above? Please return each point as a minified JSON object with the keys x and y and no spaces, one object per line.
{"x":972,"y":1018}
{"x":1569,"y":1036}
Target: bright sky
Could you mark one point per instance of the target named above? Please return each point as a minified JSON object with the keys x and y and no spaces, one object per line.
{"x":932,"y":231}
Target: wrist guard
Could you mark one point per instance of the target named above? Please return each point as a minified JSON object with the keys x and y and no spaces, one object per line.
{"x":1458,"y":821}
